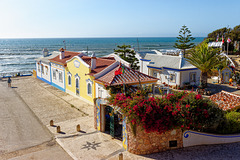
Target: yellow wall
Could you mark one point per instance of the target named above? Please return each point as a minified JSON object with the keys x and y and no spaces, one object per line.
{"x":81,"y":71}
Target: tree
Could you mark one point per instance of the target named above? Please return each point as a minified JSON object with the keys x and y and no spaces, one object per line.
{"x":233,"y":34}
{"x":205,"y":59}
{"x":184,"y":39}
{"x":218,"y":33}
{"x":128,"y":54}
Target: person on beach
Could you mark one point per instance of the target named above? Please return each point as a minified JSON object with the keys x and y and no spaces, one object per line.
{"x":9,"y":82}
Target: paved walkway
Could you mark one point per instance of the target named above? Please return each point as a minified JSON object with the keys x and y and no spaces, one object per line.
{"x":20,"y":128}
{"x":67,"y":111}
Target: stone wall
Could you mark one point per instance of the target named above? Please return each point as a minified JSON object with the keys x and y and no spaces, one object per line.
{"x":147,"y":143}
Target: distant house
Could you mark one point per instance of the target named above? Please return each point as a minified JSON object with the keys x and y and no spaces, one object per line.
{"x":141,"y":54}
{"x":119,"y":59}
{"x":226,"y":74}
{"x":172,"y":70}
{"x":43,"y":67}
{"x":215,"y":44}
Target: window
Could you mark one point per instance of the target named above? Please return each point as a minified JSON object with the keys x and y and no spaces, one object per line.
{"x":46,"y":70}
{"x":54,"y":74}
{"x":60,"y":77}
{"x":99,"y":92}
{"x":39,"y":67}
{"x":77,"y":83}
{"x":42,"y":68}
{"x":89,"y":86}
{"x":69,"y":80}
{"x":172,"y":78}
{"x":89,"y":89}
{"x":192,"y":77}
{"x":155,"y":74}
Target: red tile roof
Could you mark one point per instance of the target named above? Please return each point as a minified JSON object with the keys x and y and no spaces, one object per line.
{"x":101,"y":63}
{"x":130,"y":76}
{"x":226,"y":100}
{"x":68,"y":55}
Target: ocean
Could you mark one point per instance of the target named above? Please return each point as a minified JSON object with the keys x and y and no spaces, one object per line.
{"x":18,"y":55}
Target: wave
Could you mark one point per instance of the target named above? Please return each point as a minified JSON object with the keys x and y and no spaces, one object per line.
{"x":22,"y":53}
{"x":17,"y":64}
{"x":5,"y":57}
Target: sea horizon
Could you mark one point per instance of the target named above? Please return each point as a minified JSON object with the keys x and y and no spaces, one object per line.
{"x":91,"y":37}
{"x":18,"y":55}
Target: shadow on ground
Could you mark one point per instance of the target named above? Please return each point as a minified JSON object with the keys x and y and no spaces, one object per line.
{"x":215,"y":88}
{"x":210,"y":152}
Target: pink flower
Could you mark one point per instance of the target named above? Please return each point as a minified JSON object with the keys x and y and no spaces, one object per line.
{"x":135,"y":108}
{"x":149,"y":109}
{"x":187,"y":105}
{"x":198,"y":96}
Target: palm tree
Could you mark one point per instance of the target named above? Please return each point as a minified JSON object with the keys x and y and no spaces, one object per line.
{"x":205,"y":59}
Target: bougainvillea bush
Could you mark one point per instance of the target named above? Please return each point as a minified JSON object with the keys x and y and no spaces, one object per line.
{"x":176,"y":110}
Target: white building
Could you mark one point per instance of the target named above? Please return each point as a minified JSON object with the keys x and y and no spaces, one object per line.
{"x":172,"y":70}
{"x":43,"y":67}
{"x":119,"y":59}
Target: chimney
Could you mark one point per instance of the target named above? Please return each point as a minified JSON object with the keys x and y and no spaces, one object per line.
{"x":181,"y":54}
{"x":45,"y":52}
{"x":93,"y":61}
{"x":62,"y":53}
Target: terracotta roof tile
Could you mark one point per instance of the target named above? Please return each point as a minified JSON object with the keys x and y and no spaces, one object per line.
{"x":226,"y":100}
{"x":101,"y":63}
{"x":130,"y":76}
{"x":68,"y":55}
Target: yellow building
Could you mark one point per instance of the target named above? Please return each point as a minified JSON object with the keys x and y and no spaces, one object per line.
{"x":80,"y":72}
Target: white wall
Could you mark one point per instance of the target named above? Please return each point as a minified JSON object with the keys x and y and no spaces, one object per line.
{"x":193,"y":138}
{"x":181,"y":76}
{"x":100,"y":91}
{"x":163,"y":75}
{"x":46,"y":73}
{"x":185,"y":77}
{"x":143,"y":67}
{"x":166,"y":73}
{"x":38,"y":69}
{"x":56,"y":81}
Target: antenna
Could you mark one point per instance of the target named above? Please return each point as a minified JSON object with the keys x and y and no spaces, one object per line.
{"x":64,"y":42}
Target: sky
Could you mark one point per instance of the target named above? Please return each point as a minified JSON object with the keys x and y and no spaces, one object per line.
{"x":114,"y":18}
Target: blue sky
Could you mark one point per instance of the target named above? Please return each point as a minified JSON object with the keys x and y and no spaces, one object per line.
{"x":114,"y":18}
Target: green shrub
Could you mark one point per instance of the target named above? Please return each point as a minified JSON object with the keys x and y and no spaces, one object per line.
{"x":231,"y":124}
{"x":235,"y":109}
